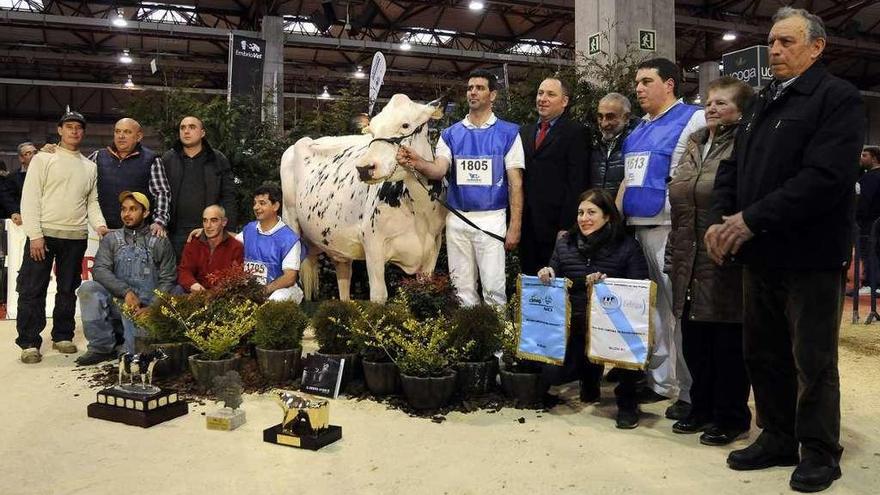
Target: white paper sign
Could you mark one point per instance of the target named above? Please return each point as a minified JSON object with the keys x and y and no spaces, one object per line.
{"x":620,"y":325}
{"x":474,"y":171}
{"x":377,"y":76}
{"x":636,"y":164}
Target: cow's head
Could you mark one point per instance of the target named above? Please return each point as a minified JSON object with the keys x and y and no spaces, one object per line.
{"x":401,"y":118}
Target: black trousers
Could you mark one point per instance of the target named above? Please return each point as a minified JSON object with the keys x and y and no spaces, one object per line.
{"x":791,"y":324}
{"x":534,"y":253}
{"x":713,"y":352}
{"x":577,"y":367}
{"x":32,"y":283}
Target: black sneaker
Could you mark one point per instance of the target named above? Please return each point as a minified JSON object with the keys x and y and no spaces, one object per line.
{"x":92,"y":357}
{"x":627,"y":419}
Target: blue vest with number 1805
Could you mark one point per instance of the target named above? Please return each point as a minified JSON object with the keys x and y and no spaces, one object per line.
{"x":477,"y":178}
{"x":647,"y":155}
{"x":268,"y":250}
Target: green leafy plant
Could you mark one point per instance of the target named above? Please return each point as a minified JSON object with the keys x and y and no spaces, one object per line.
{"x":371,"y":330}
{"x":279,"y":325}
{"x":215,"y":328}
{"x":332,"y":322}
{"x":427,"y":296}
{"x":160,"y":327}
{"x":422,"y":347}
{"x":475,"y":332}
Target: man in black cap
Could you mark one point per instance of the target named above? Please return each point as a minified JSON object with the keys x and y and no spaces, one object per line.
{"x":60,"y":193}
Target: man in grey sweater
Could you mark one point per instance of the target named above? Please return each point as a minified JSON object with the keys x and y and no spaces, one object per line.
{"x":129,"y":265}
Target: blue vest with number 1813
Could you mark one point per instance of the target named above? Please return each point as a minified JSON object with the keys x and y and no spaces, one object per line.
{"x":477,"y":179}
{"x":647,"y":154}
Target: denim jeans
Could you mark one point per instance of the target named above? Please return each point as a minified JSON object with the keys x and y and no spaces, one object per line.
{"x":33,"y":282}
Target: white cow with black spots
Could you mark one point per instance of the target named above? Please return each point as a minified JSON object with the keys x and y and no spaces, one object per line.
{"x":340,"y":196}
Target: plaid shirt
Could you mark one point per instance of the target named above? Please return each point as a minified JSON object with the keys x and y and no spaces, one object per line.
{"x":159,"y":189}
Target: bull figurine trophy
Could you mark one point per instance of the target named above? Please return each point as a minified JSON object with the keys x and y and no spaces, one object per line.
{"x":305,"y":424}
{"x":142,"y":404}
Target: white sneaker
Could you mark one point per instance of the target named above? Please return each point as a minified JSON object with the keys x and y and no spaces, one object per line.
{"x":31,"y":355}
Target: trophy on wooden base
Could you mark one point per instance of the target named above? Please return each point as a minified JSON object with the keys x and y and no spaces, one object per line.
{"x":136,"y":404}
{"x":306,"y":423}
{"x":230,"y":416}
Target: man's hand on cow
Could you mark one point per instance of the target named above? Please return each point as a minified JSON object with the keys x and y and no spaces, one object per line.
{"x":734,"y":233}
{"x":511,"y":240}
{"x":196,"y":233}
{"x":16,"y":219}
{"x":158,"y":230}
{"x":403,"y":156}
{"x":38,"y":249}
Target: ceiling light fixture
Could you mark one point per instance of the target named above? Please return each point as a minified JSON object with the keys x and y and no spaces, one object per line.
{"x":729,"y":36}
{"x":129,"y":83}
{"x":360,"y":73}
{"x":125,"y":58}
{"x":119,"y":19}
{"x":325,"y":95}
{"x":476,"y":5}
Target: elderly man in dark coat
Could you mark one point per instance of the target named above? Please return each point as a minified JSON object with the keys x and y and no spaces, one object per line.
{"x":785,"y":202}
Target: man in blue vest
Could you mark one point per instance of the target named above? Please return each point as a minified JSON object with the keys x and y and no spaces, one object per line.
{"x":484,"y":159}
{"x":651,"y":153}
{"x":272,"y":250}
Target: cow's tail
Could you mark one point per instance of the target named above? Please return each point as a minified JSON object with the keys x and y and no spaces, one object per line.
{"x":308,"y":276}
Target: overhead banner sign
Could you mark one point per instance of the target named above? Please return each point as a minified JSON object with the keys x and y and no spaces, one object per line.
{"x":377,"y":76}
{"x":749,"y":65}
{"x":246,"y":57}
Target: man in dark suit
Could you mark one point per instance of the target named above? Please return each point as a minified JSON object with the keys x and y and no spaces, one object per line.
{"x":557,"y":153}
{"x":784,"y":203}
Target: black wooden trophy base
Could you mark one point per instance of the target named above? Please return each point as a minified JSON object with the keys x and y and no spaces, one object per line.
{"x":311,"y":442}
{"x":137,"y":409}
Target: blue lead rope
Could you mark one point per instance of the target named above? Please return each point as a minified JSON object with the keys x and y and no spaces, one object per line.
{"x":621,"y":324}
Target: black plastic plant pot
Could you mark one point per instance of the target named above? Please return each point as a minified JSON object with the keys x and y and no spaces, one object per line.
{"x":476,"y":378}
{"x":430,"y":392}
{"x":526,"y":389}
{"x":279,"y":365}
{"x":205,"y":370}
{"x":382,"y":378}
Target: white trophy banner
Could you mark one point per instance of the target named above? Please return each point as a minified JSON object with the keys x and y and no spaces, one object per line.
{"x":620,"y":322}
{"x":15,"y":239}
{"x":377,"y":76}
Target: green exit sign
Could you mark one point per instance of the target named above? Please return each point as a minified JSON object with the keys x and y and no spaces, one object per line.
{"x":593,"y":45}
{"x":648,"y":40}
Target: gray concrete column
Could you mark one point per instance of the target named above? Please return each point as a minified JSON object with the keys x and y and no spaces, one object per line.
{"x":273,"y":70}
{"x":620,"y":21}
{"x":709,"y":71}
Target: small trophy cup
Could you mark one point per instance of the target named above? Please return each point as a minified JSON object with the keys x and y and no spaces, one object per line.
{"x":229,"y":417}
{"x":306,"y":423}
{"x":138,"y":404}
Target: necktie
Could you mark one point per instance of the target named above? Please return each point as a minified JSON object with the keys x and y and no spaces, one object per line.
{"x":542,"y":133}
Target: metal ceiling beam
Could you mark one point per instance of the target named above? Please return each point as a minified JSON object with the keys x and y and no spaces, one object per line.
{"x":294,"y":40}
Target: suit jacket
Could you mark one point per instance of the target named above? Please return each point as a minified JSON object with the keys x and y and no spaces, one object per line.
{"x":793,"y":173}
{"x":555,"y":175}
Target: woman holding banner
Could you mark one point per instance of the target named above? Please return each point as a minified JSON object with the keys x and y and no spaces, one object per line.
{"x":596,"y":247}
{"x":708,"y":297}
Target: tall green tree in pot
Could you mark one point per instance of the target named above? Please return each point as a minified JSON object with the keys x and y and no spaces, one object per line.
{"x":278,"y":332}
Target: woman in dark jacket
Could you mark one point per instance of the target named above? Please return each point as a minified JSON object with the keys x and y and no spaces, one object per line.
{"x":596,"y":247}
{"x":708,"y":297}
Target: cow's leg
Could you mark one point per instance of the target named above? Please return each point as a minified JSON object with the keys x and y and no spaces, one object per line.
{"x":376,"y":274}
{"x":343,"y":279}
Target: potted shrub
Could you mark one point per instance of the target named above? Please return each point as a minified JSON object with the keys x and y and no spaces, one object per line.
{"x":215,"y":329}
{"x":427,"y":296}
{"x":332,"y":323}
{"x":370,"y":334}
{"x":475,"y":332}
{"x":165,"y":332}
{"x":424,"y":359}
{"x":521,"y":380}
{"x":278,"y":331}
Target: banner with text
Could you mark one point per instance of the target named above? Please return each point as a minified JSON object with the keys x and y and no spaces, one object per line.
{"x":246,"y":56}
{"x":544,"y":319}
{"x":620,"y":322}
